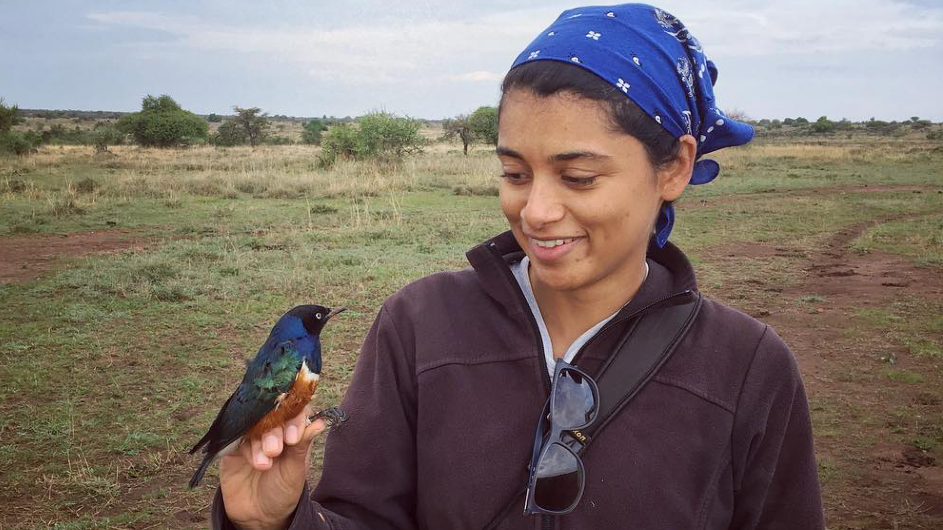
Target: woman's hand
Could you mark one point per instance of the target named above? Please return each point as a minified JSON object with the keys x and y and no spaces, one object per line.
{"x":262,"y":480}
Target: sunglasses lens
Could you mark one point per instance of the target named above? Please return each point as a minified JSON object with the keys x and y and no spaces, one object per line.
{"x":558,"y":479}
{"x":574,"y":404}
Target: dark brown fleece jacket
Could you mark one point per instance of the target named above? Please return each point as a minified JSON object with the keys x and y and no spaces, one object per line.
{"x":451,"y":380}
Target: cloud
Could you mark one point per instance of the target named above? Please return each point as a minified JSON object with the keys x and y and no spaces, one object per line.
{"x":799,"y":27}
{"x":476,"y":77}
{"x":384,"y":53}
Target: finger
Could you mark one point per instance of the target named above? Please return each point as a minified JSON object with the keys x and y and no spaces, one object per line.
{"x":259,"y":460}
{"x":294,"y":427}
{"x":272,"y":442}
{"x":312,"y":431}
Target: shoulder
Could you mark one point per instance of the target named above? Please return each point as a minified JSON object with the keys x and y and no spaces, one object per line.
{"x":436,"y":291}
{"x":722,"y":350}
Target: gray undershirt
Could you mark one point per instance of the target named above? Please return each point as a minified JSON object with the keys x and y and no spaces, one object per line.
{"x":523,"y":279}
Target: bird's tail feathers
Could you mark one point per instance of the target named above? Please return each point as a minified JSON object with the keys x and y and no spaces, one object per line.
{"x":198,"y":476}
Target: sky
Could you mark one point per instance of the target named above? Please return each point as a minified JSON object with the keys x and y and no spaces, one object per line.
{"x":852,"y":59}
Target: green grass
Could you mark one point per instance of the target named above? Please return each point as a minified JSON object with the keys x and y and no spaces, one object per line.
{"x":920,"y":239}
{"x":112,"y":367}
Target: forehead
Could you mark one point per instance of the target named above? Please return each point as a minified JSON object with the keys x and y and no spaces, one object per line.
{"x":559,"y":123}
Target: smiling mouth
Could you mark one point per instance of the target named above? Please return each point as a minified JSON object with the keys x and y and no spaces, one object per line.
{"x":551,"y":243}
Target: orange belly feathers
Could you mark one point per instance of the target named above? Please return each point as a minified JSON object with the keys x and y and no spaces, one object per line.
{"x":289,"y":405}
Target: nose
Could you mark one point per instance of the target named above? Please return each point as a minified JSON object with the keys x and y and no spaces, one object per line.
{"x":544,"y":205}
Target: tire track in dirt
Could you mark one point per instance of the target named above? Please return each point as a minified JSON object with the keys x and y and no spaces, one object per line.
{"x":888,"y":485}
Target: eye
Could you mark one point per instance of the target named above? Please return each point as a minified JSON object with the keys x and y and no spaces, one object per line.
{"x":514,"y":178}
{"x":317,"y":316}
{"x":579,"y":182}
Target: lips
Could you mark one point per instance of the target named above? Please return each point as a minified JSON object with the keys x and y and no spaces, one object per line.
{"x":550,"y":250}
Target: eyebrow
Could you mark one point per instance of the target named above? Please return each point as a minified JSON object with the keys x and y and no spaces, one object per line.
{"x":559,"y":157}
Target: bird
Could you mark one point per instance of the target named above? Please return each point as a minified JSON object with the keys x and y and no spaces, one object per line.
{"x":277,"y":385}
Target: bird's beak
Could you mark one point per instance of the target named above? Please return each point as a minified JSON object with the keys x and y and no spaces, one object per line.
{"x":334,"y":312}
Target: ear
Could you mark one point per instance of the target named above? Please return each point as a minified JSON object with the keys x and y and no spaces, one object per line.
{"x":674,"y":177}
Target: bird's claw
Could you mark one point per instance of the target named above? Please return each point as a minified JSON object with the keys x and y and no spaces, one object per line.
{"x":333,"y":416}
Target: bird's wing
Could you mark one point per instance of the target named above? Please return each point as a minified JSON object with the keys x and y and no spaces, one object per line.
{"x":271,"y":374}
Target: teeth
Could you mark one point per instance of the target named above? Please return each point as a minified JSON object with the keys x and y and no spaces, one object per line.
{"x":551,"y":243}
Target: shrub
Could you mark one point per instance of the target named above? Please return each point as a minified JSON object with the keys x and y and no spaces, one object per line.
{"x":214,"y":118}
{"x":163,"y":123}
{"x":379,"y":135}
{"x":313,"y":131}
{"x":9,"y":116}
{"x":229,"y":134}
{"x":823,"y":126}
{"x":14,"y":142}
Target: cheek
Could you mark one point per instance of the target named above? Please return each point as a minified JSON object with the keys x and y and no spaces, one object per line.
{"x":511,"y":203}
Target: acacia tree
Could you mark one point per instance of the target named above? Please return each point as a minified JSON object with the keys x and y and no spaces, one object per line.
{"x":459,"y":127}
{"x":163,"y":123}
{"x":253,"y":124}
{"x":484,"y":124}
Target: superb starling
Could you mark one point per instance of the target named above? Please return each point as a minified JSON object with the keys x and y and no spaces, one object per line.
{"x":279,"y":382}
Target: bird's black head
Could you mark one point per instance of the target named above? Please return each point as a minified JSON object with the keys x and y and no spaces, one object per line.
{"x":314,"y":316}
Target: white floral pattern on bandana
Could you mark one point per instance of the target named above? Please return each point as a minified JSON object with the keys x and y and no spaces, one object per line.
{"x":676,"y":29}
{"x":686,"y":74}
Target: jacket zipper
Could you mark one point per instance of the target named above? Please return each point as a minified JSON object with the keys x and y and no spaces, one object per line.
{"x":535,"y":329}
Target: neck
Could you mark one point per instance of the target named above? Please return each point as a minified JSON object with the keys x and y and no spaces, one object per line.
{"x":568,"y":314}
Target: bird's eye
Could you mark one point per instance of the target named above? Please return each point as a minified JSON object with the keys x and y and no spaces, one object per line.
{"x":318,"y":316}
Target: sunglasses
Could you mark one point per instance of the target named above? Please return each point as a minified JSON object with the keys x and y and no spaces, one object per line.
{"x":557,"y":476}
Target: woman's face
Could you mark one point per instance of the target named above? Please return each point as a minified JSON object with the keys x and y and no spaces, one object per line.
{"x":581,"y":199}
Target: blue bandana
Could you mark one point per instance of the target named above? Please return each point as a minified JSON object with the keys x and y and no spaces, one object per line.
{"x":650,"y":55}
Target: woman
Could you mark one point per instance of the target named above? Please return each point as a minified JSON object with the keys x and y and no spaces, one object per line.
{"x":602,"y":123}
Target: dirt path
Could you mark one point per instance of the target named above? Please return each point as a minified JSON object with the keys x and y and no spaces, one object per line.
{"x":870,"y":480}
{"x":26,"y":257}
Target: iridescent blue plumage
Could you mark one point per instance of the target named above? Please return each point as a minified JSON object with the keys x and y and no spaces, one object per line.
{"x":292,"y":346}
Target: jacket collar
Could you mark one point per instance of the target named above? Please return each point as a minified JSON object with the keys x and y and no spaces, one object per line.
{"x":669,"y":273}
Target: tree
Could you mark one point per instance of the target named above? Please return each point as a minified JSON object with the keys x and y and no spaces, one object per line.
{"x":163,"y":123}
{"x":459,"y":127}
{"x":484,"y":124}
{"x":214,"y":118}
{"x":9,"y":116}
{"x":229,"y":134}
{"x":253,"y":124}
{"x":313,"y":130}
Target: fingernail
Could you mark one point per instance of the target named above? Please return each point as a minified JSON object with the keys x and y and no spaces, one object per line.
{"x":291,"y":434}
{"x":262,"y":460}
{"x":270,"y":443}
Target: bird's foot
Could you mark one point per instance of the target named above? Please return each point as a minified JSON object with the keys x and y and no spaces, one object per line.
{"x":333,"y":416}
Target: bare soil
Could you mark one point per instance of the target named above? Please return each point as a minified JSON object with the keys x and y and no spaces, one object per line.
{"x":871,"y":478}
{"x":27,"y":257}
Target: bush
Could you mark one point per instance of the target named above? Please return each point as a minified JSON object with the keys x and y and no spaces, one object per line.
{"x":379,"y":135}
{"x":229,"y":134}
{"x":16,"y":143}
{"x":214,"y":118}
{"x":9,"y":116}
{"x":313,"y":131}
{"x":163,"y":123}
{"x":823,"y":126}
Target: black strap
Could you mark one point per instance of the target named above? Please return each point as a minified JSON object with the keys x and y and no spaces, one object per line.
{"x":643,"y":349}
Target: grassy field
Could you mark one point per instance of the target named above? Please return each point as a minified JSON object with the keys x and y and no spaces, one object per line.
{"x":113,"y":363}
